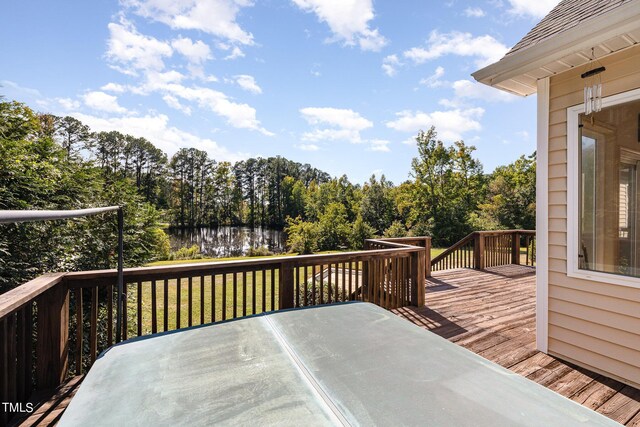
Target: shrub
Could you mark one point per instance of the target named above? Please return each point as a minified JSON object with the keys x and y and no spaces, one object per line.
{"x":396,"y":229}
{"x":259,"y":251}
{"x":186,"y":253}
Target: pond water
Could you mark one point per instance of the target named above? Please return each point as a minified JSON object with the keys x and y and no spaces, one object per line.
{"x":222,"y":242}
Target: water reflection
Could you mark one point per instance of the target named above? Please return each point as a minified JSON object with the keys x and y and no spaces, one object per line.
{"x":228,"y":241}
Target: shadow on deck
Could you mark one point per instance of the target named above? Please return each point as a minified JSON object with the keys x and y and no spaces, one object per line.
{"x":492,"y":313}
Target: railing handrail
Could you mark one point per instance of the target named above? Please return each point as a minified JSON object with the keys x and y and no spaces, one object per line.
{"x":483,"y":249}
{"x":459,"y":243}
{"x":300,"y":260}
{"x":501,"y":232}
{"x":17,"y":298}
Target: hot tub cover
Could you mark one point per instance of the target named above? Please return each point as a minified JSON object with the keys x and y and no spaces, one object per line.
{"x":342,"y":364}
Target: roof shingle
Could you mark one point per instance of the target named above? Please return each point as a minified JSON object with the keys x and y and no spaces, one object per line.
{"x":567,"y":14}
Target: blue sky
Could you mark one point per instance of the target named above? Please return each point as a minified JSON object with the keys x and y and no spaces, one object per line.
{"x":342,"y":84}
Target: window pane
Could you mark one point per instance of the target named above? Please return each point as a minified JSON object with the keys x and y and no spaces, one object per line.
{"x":608,"y":190}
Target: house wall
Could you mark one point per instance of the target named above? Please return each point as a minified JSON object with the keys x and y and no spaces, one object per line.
{"x":593,"y":324}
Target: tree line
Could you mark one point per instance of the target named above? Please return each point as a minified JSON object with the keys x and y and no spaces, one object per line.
{"x":48,"y":161}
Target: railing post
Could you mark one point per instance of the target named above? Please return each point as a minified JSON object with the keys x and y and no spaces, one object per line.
{"x":53,"y":337}
{"x":515,"y":248}
{"x":286,"y":291}
{"x":427,"y":263}
{"x":478,"y":251}
{"x":417,"y":278}
{"x":364,"y":290}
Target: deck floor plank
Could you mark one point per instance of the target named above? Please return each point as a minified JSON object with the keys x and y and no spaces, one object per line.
{"x":492,"y":313}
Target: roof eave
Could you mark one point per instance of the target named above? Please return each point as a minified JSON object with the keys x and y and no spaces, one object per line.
{"x":598,"y":29}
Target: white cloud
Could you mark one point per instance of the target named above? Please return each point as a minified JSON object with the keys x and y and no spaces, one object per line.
{"x":434,"y":79}
{"x":379,"y":145}
{"x":131,"y":51}
{"x":248,"y":83}
{"x":195,"y":52}
{"x":485,"y":48}
{"x":174,"y":103}
{"x":473,"y":90}
{"x":156,"y":128}
{"x":103,"y":102}
{"x":114,"y":87}
{"x":533,"y":9}
{"x":216,"y":17}
{"x":15,"y":86}
{"x":450,"y":125}
{"x":474,"y":12}
{"x":68,"y":103}
{"x":236,"y":52}
{"x":237,"y":115}
{"x":308,"y":147}
{"x":343,"y":124}
{"x":348,"y":20}
{"x":390,"y":64}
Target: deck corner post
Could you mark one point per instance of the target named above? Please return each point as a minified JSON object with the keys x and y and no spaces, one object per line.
{"x":286,"y":291}
{"x":53,"y":337}
{"x":418,"y":278}
{"x":478,"y":251}
{"x":364,"y":294}
{"x":515,"y":248}
{"x":427,"y":263}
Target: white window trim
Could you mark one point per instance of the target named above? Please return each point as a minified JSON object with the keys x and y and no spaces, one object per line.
{"x":573,"y":196}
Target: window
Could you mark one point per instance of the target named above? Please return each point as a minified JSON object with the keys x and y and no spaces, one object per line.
{"x":603,"y":207}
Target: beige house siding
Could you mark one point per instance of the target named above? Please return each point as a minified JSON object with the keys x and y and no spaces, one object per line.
{"x":593,"y":324}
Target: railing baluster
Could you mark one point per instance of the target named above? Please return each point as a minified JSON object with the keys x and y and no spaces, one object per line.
{"x":189,"y":301}
{"x":273,"y":288}
{"x":235,"y":295}
{"x":125,"y":302}
{"x":224,"y":296}
{"x":93,"y":334}
{"x":313,"y":285}
{"x":178,"y":303}
{"x":213,"y":298}
{"x":244,"y":293}
{"x":253,"y":292}
{"x":24,"y":351}
{"x":306,"y":287}
{"x":110,"y":315}
{"x":139,"y":302}
{"x":202,"y":300}
{"x":329,"y":287}
{"x":154,"y":309}
{"x":165,"y":301}
{"x":264,"y":291}
{"x":344,"y":281}
{"x":79,"y":330}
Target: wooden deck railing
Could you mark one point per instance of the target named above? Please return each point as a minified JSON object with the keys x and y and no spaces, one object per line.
{"x":56,"y":325}
{"x":482,"y":249}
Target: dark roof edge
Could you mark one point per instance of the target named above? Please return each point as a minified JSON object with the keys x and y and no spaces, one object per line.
{"x":598,"y":29}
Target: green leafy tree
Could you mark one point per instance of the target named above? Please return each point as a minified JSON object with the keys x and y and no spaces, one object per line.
{"x":449,"y":186}
{"x":333,"y":228}
{"x":360,"y":231}
{"x":511,"y":199}
{"x":302,"y":236}
{"x":377,"y":205}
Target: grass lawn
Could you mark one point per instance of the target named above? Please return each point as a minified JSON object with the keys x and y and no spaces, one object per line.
{"x":261,"y":287}
{"x":201,"y":297}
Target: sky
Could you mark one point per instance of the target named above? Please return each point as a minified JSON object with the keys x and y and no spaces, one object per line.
{"x":344,"y":85}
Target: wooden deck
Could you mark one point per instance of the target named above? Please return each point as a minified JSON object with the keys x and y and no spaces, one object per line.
{"x":492,"y":313}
